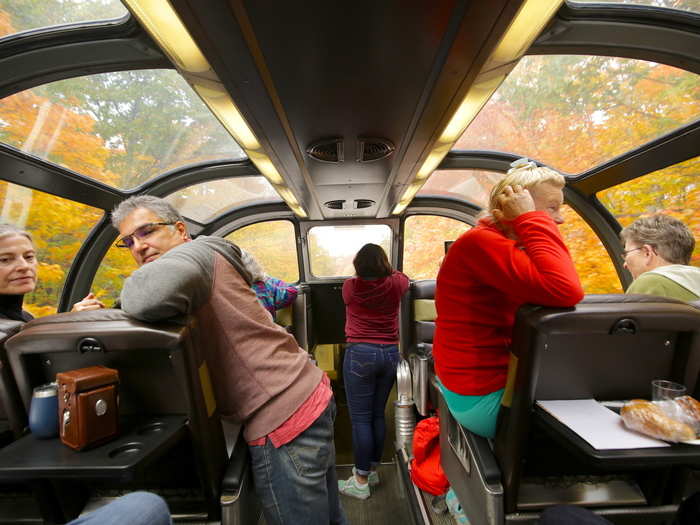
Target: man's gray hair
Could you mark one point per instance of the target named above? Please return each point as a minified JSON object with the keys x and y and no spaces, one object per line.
{"x":253,"y":266}
{"x":160,"y":207}
{"x":7,"y":229}
{"x":671,"y":239}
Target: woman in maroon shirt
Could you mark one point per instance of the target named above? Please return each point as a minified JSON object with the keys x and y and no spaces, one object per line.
{"x":372,"y":302}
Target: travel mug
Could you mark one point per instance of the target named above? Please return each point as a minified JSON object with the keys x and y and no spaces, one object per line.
{"x":43,"y":411}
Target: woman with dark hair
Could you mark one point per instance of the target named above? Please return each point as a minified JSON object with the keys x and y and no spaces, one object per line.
{"x":18,"y":272}
{"x":372,"y":302}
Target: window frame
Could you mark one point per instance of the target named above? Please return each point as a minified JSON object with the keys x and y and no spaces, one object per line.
{"x":305,"y":227}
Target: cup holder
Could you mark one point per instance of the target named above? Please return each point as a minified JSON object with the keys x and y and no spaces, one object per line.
{"x":126,"y":450}
{"x":152,"y":428}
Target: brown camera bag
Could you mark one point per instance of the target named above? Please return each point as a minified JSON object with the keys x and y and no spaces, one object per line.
{"x":88,"y":406}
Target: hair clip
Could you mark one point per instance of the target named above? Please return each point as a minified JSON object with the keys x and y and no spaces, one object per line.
{"x":522,"y":163}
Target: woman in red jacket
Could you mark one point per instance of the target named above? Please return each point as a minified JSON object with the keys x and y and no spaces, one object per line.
{"x":372,"y":302}
{"x":514,"y":256}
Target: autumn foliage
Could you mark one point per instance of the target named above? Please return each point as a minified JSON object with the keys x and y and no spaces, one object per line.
{"x":123,"y":129}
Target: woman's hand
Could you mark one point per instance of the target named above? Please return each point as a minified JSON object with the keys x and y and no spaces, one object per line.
{"x":89,"y":302}
{"x":512,"y":203}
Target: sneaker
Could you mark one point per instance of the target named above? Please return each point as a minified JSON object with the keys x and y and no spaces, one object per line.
{"x":372,"y":479}
{"x":455,"y":508}
{"x":350,"y":487}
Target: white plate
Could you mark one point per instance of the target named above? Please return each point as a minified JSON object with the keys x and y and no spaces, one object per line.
{"x":692,"y":442}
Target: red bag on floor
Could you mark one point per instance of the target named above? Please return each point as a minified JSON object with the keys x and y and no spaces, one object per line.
{"x":426,"y":469}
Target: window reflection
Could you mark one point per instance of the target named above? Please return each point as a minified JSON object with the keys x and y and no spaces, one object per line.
{"x":202,"y":202}
{"x":674,"y":190}
{"x":273,"y":244}
{"x":592,"y":261}
{"x":575,"y":112}
{"x":121,"y":128}
{"x":471,"y":185}
{"x":16,"y":16}
{"x":58,"y":227}
{"x":679,"y":5}
{"x":424,"y":243}
{"x":332,"y":248}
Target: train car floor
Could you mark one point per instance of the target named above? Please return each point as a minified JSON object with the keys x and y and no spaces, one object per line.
{"x":387,"y":504}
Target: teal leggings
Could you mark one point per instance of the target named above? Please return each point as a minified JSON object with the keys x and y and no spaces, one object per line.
{"x":476,"y":413}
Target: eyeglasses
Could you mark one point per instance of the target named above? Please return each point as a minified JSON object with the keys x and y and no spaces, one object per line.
{"x":624,"y":254}
{"x":140,"y":233}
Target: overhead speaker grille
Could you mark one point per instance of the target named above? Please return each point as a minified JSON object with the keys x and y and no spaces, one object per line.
{"x":363,"y":203}
{"x":334,"y":205}
{"x":371,"y":149}
{"x":327,"y":150}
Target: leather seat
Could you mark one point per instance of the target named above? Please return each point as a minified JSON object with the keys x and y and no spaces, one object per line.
{"x":13,"y":417}
{"x":171,"y":430}
{"x":608,"y":347}
{"x":421,"y":307}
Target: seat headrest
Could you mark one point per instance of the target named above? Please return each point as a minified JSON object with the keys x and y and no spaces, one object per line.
{"x":424,"y":289}
{"x":628,"y":298}
{"x":113,"y":328}
{"x":103,"y":314}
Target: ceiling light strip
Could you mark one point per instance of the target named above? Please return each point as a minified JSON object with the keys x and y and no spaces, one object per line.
{"x":162,"y":22}
{"x":521,"y":33}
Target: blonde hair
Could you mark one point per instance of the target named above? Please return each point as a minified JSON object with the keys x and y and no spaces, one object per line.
{"x":525,"y":173}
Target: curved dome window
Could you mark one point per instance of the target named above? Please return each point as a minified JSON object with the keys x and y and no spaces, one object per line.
{"x":672,"y":191}
{"x":676,"y":5}
{"x":122,"y":129}
{"x":576,"y":112}
{"x":203,"y":202}
{"x":17,"y":16}
{"x":470,"y":185}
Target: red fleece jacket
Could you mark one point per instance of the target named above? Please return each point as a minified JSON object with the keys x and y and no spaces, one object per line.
{"x":483,"y":280}
{"x":372,"y":308}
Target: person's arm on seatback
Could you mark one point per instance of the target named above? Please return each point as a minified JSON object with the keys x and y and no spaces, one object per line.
{"x":283,"y":294}
{"x":539,"y":272}
{"x":173,"y":285}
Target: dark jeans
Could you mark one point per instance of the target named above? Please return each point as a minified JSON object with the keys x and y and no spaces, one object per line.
{"x":369,"y":371}
{"x":297,"y":482}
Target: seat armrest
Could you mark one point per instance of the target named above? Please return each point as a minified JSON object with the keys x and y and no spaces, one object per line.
{"x":237,"y":467}
{"x":481,"y":450}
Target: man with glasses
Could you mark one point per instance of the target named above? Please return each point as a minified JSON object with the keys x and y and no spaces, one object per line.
{"x":261,"y":378}
{"x":657,"y":253}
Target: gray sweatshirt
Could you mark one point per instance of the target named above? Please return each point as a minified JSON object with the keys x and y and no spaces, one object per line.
{"x":259,"y":374}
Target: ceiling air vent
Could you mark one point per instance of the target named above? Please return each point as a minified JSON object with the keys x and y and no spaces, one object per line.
{"x":371,"y":149}
{"x":334,"y":205}
{"x":363,"y":203}
{"x":327,"y":150}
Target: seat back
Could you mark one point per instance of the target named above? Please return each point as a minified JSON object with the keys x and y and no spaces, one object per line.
{"x":295,"y":317}
{"x":608,"y":347}
{"x":422,"y":315}
{"x":13,"y":417}
{"x":161,"y":372}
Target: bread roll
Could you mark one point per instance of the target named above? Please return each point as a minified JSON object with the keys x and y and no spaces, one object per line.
{"x":688,"y":412}
{"x":648,"y":418}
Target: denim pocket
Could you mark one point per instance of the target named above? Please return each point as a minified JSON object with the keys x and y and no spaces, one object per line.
{"x":393,"y":358}
{"x":362,"y":365}
{"x":309,"y":452}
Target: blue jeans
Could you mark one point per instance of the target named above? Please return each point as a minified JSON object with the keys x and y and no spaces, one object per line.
{"x":369,"y":372}
{"x":297,"y":482}
{"x":137,"y":508}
